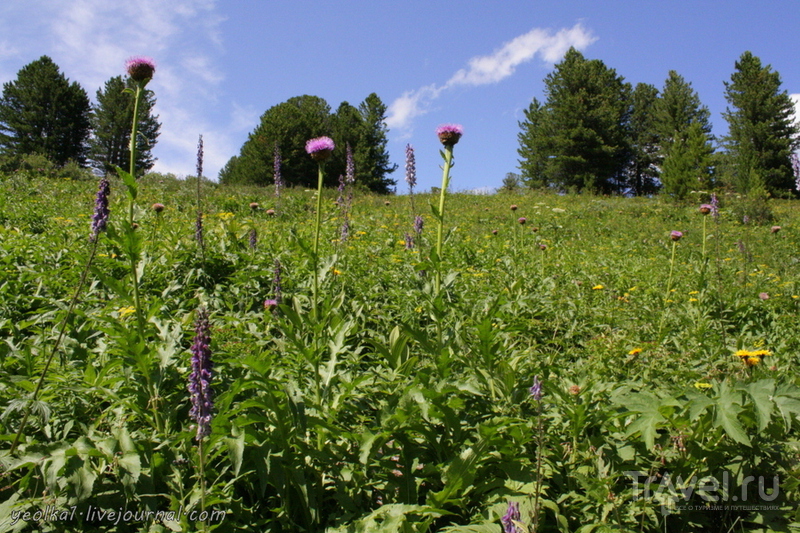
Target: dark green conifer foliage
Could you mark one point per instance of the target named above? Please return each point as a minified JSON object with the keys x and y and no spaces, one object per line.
{"x":643,"y":167}
{"x":42,"y":112}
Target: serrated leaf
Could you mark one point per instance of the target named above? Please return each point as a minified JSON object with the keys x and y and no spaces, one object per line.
{"x":728,"y":407}
{"x":761,"y":393}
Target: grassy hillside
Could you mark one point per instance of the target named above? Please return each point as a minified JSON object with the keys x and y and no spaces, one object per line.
{"x":667,"y":368}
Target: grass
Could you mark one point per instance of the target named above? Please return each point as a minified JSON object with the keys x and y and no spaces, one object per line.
{"x":399,"y":407}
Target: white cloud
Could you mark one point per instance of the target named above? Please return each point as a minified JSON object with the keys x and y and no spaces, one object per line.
{"x":796,"y":99}
{"x":492,"y":68}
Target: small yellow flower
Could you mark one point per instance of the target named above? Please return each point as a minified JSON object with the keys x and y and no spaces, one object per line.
{"x":337,"y":272}
{"x":598,"y":288}
{"x":693,"y":300}
{"x":125,"y":311}
{"x":742,"y":353}
{"x":694,"y":292}
{"x":761,"y":353}
{"x":752,"y":360}
{"x":701,"y":385}
{"x":635,"y":351}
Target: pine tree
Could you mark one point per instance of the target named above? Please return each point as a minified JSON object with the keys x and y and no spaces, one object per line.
{"x":42,"y":112}
{"x":643,"y":167}
{"x":762,"y":133}
{"x":533,"y":149}
{"x":582,"y":143}
{"x":111,"y":124}
{"x":371,"y":158}
{"x":684,"y":137}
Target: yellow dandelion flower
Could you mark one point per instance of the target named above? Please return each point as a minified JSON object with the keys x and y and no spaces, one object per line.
{"x":761,"y":353}
{"x":693,"y":300}
{"x":742,"y":353}
{"x":635,"y":351}
{"x":598,"y":288}
{"x":701,"y":385}
{"x":125,"y":311}
{"x":337,"y":272}
{"x":694,"y":292}
{"x":752,"y":360}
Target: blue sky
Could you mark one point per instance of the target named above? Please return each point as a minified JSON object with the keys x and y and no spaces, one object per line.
{"x":222,"y":64}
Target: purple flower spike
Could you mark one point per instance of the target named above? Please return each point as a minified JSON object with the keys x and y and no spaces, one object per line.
{"x":512,"y":515}
{"x":101,"y":212}
{"x":200,"y":379}
{"x":411,"y":167}
{"x":276,"y":167}
{"x":140,"y":68}
{"x":419,"y":223}
{"x":449,"y":134}
{"x":350,"y":167}
{"x":320,"y":148}
{"x":536,"y":389}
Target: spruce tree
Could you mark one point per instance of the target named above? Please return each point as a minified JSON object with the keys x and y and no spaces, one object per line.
{"x":42,"y":112}
{"x":533,"y":150}
{"x":111,"y":125}
{"x":643,"y":166}
{"x":762,"y":132}
{"x":371,"y":158}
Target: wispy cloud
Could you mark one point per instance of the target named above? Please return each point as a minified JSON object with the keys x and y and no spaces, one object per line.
{"x":492,"y":68}
{"x":91,"y":39}
{"x":796,"y":99}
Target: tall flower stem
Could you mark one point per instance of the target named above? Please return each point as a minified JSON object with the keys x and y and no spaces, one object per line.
{"x":134,"y":259}
{"x":317,"y":225}
{"x":60,"y":337}
{"x":448,"y":162}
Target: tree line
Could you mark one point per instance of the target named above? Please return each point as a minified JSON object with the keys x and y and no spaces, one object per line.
{"x":284,"y":129}
{"x":595,"y":132}
{"x":41,"y":112}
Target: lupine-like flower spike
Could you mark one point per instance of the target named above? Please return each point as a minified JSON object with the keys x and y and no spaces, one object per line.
{"x":536,"y":389}
{"x":411,"y":167}
{"x":512,"y":515}
{"x":200,"y":158}
{"x":140,"y":68}
{"x":200,"y":379}
{"x":714,"y":206}
{"x":198,"y":229}
{"x":253,"y":238}
{"x":419,"y":223}
{"x":449,"y":134}
{"x":276,"y":167}
{"x":101,"y":212}
{"x":320,"y":148}
{"x":350,"y":167}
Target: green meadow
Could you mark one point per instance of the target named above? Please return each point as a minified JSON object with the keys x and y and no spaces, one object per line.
{"x":670,"y":397}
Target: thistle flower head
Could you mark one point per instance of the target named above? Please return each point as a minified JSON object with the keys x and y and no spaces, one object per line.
{"x":512,"y":515}
{"x":522,"y":220}
{"x":411,"y":167}
{"x":706,"y":209}
{"x":774,"y":229}
{"x":270,"y":304}
{"x":320,"y":148}
{"x":140,"y":68}
{"x":449,"y":134}
{"x":676,"y":236}
{"x":101,"y":212}
{"x":200,"y":378}
{"x":158,"y":208}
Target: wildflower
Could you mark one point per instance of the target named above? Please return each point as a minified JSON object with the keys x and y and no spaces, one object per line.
{"x":598,"y":288}
{"x":536,"y":389}
{"x":320,"y":148}
{"x":200,"y":378}
{"x":270,"y":304}
{"x":543,"y":247}
{"x":635,"y":351}
{"x":534,"y":229}
{"x":387,"y":202}
{"x":198,"y":228}
{"x":350,"y":168}
{"x":511,"y":516}
{"x":276,"y":168}
{"x":774,"y":229}
{"x":411,"y":168}
{"x":140,"y":68}
{"x":418,"y":224}
{"x":409,"y":241}
{"x":494,"y":232}
{"x":125,"y":311}
{"x":701,"y":385}
{"x":158,"y":208}
{"x":522,"y":220}
{"x":714,"y":206}
{"x":574,"y":390}
{"x":676,"y":236}
{"x":270,"y":212}
{"x":254,"y":206}
{"x":763,"y":295}
{"x":345,"y":232}
{"x":199,"y":161}
{"x":514,"y":207}
{"x":101,"y":212}
{"x":706,"y":209}
{"x":253,"y":238}
{"x":449,"y":134}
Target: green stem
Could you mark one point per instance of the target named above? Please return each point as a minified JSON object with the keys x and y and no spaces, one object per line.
{"x":704,"y":238}
{"x":448,"y":162}
{"x":132,"y":170}
{"x":61,"y":333}
{"x":317,"y":225}
{"x":671,"y":268}
{"x":202,"y":481}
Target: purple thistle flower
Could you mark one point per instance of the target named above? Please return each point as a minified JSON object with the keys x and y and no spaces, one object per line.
{"x":419,"y":223}
{"x":411,"y":167}
{"x":512,"y":515}
{"x":449,"y":134}
{"x":253,"y":237}
{"x":101,"y":212}
{"x":202,"y":396}
{"x":706,"y":209}
{"x":522,"y":220}
{"x":536,"y":389}
{"x":200,"y":158}
{"x":676,"y":236}
{"x":350,"y":167}
{"x":276,"y":166}
{"x":320,"y":148}
{"x":270,"y":304}
{"x":140,"y":68}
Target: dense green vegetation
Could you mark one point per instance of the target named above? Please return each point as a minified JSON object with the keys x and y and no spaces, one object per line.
{"x":397,"y":407}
